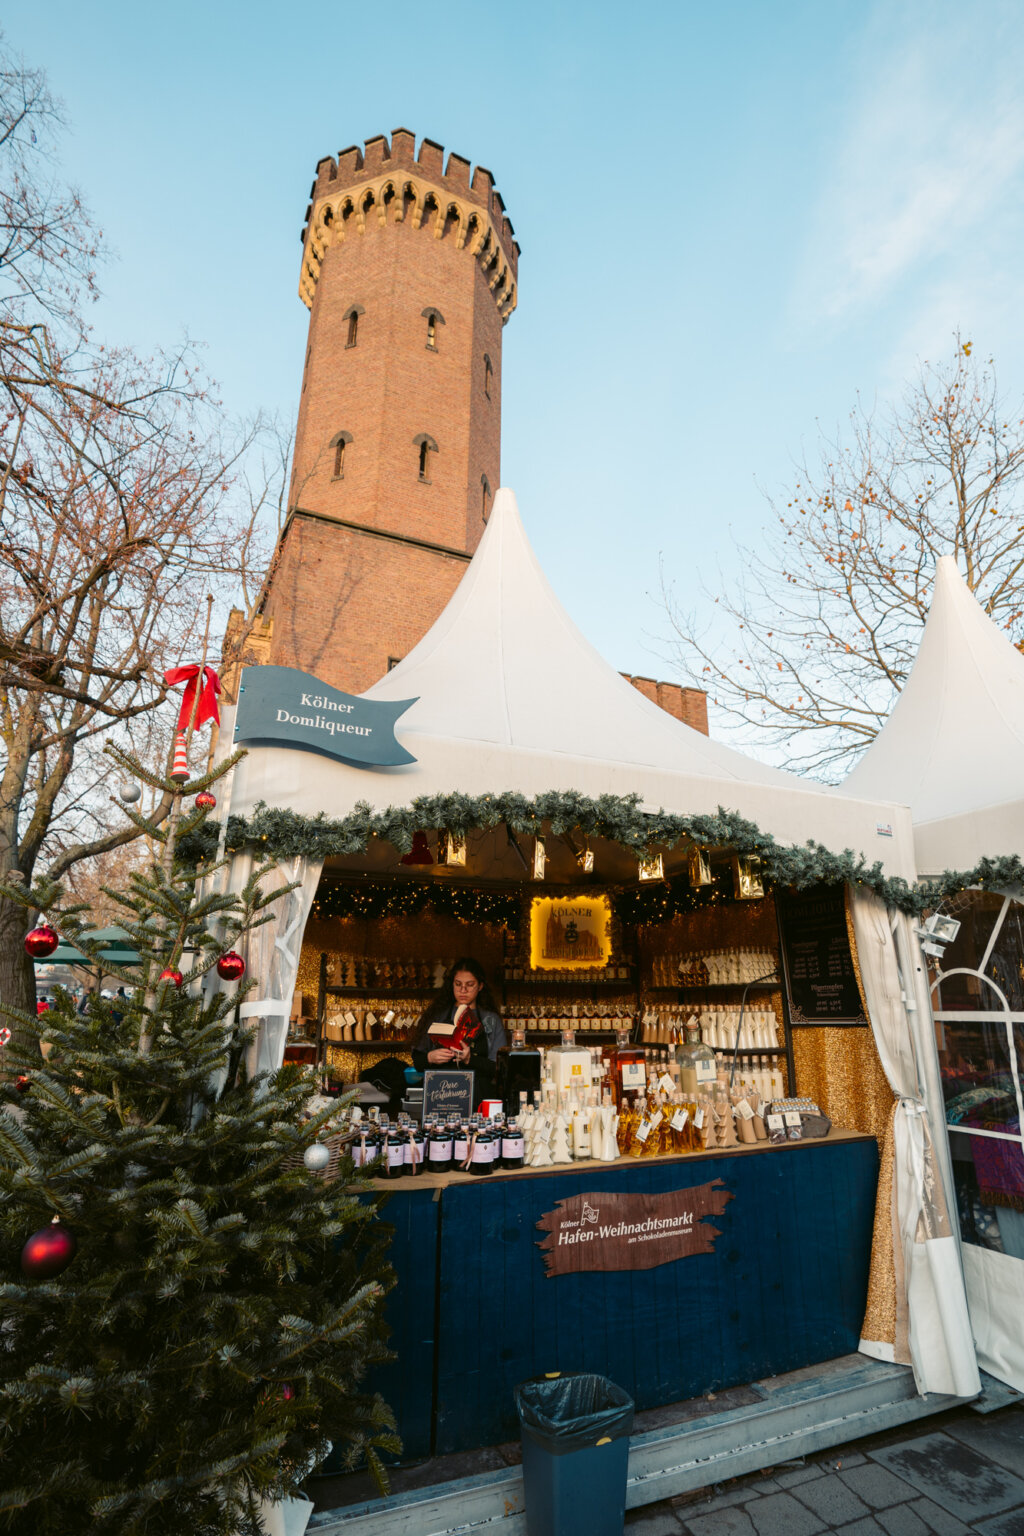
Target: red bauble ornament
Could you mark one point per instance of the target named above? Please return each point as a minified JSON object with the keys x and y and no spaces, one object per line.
{"x":205,"y":801}
{"x":42,"y":941}
{"x":230,"y":966}
{"x":48,"y":1252}
{"x":170,"y":974}
{"x":286,"y":1393}
{"x":22,"y":1083}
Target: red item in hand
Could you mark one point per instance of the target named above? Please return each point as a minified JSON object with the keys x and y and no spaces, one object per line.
{"x":467,"y":1027}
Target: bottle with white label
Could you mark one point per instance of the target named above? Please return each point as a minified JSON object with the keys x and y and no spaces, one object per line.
{"x":569,"y":1064}
{"x":628,"y":1071}
{"x":697,"y":1066}
{"x":513,"y":1151}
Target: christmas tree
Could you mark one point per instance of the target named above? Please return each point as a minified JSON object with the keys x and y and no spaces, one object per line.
{"x":189,"y":1306}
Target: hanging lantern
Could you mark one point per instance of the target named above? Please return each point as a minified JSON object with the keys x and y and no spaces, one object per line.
{"x":205,"y":801}
{"x":699,"y":867}
{"x":180,"y":768}
{"x":652,"y":867}
{"x":42,"y":941}
{"x":230,"y":967}
{"x":587,"y":860}
{"x":451,"y":849}
{"x":747,"y":884}
{"x":420,"y":851}
{"x":171,"y":975}
{"x":540,"y":858}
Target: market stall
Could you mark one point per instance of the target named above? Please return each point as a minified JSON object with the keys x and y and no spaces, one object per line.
{"x":532,"y":786}
{"x":951,"y":750}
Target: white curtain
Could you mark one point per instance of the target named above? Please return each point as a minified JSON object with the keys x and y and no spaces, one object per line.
{"x":273,"y":960}
{"x":933,"y":1330}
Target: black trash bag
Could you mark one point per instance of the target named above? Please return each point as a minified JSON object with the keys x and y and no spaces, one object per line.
{"x":572,"y":1413}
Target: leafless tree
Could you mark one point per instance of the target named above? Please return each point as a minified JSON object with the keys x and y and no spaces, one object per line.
{"x":114,"y":525}
{"x":117,"y":518}
{"x":824,"y":625}
{"x":49,"y":245}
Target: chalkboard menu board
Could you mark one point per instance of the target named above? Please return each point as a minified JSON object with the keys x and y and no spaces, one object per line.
{"x":816,"y":958}
{"x":447,"y":1093}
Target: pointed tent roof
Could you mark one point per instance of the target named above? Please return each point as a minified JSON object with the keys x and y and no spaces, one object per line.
{"x":505,"y":664}
{"x":510,"y":696}
{"x":955,"y":739}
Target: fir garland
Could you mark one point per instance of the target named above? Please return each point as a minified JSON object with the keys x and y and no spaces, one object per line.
{"x":617,"y":818}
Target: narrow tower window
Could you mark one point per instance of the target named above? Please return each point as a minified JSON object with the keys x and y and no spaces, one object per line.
{"x":339,"y":443}
{"x":488,"y":375}
{"x":352,"y":316}
{"x":485,"y":497}
{"x":434,"y":318}
{"x":425,"y":446}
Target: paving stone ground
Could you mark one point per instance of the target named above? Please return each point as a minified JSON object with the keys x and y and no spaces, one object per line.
{"x":964,"y":1477}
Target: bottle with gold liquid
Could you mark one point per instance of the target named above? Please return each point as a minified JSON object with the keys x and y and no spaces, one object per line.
{"x":628,"y":1071}
{"x":697,"y":1066}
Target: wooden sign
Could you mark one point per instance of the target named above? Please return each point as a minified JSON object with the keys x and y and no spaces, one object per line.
{"x":816,"y":958}
{"x":448,"y":1093}
{"x":630,"y":1231}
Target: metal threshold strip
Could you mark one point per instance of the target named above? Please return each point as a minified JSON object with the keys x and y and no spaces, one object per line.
{"x":796,"y":1415}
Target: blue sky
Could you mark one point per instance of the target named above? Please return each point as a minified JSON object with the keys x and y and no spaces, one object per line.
{"x":733,"y":218}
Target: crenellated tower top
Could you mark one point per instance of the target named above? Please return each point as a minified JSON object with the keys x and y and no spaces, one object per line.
{"x":387,"y":181}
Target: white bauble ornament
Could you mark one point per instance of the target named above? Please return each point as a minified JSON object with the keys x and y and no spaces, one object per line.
{"x":316,"y":1157}
{"x":129,"y":793}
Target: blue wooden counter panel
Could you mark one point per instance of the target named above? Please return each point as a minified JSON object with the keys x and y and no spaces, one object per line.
{"x":407,"y":1383}
{"x":785,"y":1287}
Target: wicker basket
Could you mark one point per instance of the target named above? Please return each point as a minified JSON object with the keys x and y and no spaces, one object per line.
{"x":335,"y":1145}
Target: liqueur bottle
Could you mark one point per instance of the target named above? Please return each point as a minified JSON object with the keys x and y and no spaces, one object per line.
{"x":569,"y":1064}
{"x":518,"y":1072}
{"x":697,"y":1066}
{"x":513,"y":1150}
{"x":628,"y":1071}
{"x":439,"y":1149}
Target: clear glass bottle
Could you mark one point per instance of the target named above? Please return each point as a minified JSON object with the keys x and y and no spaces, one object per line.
{"x":628,"y":1071}
{"x":698,"y":1069}
{"x":569,"y":1064}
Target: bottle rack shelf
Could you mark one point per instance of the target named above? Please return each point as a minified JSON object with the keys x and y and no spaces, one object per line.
{"x":384,"y":990}
{"x":366,"y":1045}
{"x":717,"y":986}
{"x":605,"y":983}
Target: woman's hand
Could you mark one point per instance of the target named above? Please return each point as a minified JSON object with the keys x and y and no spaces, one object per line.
{"x":441,"y":1056}
{"x":464,"y":1055}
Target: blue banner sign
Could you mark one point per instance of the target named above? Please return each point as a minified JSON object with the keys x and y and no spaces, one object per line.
{"x":282,"y":706}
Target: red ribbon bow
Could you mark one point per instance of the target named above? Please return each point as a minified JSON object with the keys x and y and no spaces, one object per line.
{"x":207,"y":698}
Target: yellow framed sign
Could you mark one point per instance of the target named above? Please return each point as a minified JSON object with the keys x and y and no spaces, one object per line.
{"x":570,"y":933}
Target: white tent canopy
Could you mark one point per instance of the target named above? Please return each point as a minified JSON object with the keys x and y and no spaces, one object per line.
{"x":511,"y":696}
{"x":953,"y":746}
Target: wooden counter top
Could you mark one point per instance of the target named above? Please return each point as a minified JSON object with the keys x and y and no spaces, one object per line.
{"x":595,"y":1165}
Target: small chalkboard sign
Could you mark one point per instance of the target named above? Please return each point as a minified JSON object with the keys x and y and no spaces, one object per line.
{"x":448,"y":1093}
{"x":816,"y":958}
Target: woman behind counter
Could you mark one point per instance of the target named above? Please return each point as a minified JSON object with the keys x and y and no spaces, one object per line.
{"x":465,"y":984}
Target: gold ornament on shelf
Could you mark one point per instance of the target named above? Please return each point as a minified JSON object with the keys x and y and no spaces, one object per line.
{"x":652,"y":867}
{"x":540,"y":858}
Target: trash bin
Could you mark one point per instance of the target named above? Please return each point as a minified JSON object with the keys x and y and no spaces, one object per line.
{"x":575,"y":1435}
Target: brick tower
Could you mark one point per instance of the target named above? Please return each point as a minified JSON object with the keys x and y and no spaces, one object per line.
{"x":409,"y":272}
